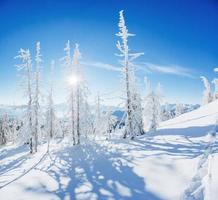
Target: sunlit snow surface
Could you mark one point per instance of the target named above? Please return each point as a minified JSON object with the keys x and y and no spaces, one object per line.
{"x":173,"y":163}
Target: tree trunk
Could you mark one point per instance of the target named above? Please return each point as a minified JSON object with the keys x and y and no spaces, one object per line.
{"x":129,"y":111}
{"x":78,"y":115}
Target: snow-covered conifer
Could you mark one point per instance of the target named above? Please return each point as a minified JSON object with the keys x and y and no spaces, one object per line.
{"x":165,"y":112}
{"x":50,"y":122}
{"x":128,"y":73}
{"x":69,"y":69}
{"x":88,"y":120}
{"x":109,"y":121}
{"x":138,"y":126}
{"x":215,"y":82}
{"x":152,"y":110}
{"x":178,"y":109}
{"x":112,"y":121}
{"x":77,"y":89}
{"x":77,"y":78}
{"x":26,"y":68}
{"x":207,"y":95}
{"x":4,"y":129}
{"x":98,"y":117}
{"x":38,"y":61}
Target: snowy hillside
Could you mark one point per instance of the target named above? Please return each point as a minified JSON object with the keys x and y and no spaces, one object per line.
{"x":177,"y":162}
{"x":195,"y":123}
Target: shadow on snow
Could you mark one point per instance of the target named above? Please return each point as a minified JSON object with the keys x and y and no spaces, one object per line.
{"x":94,"y":172}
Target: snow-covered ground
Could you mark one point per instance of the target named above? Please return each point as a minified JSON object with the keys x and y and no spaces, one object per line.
{"x":179,"y":161}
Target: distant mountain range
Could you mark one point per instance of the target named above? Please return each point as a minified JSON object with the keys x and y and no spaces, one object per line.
{"x":185,"y":107}
{"x":61,"y":109}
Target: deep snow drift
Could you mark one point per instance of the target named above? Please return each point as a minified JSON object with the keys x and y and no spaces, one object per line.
{"x":179,"y":161}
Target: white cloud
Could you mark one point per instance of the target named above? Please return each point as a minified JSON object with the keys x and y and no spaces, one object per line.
{"x":172,"y":69}
{"x":215,"y":69}
{"x":146,"y":67}
{"x":102,"y":66}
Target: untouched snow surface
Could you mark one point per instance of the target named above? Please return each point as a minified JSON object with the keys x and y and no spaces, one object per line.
{"x":179,"y":161}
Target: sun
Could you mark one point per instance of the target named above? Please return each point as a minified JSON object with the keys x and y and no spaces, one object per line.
{"x":73,"y":79}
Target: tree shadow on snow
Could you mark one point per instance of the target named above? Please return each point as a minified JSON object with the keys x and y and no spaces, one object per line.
{"x":193,"y":131}
{"x":13,"y":163}
{"x":188,"y":150}
{"x":94,"y":172}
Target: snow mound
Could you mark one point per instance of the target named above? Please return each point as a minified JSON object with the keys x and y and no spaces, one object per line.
{"x":195,"y":123}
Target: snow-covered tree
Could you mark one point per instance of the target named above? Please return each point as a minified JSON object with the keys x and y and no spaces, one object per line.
{"x":36,"y":107}
{"x":98,"y":117}
{"x":152,"y":109}
{"x":77,"y":90}
{"x":69,"y":69}
{"x":50,"y":118}
{"x":4,"y":129}
{"x":77,"y":78}
{"x":207,"y":95}
{"x":106,"y":124}
{"x":26,"y":68}
{"x":138,"y":125}
{"x":166,"y":112}
{"x":14,"y":125}
{"x":178,"y":109}
{"x":128,"y":75}
{"x":111,"y":123}
{"x":88,"y":120}
{"x":215,"y":82}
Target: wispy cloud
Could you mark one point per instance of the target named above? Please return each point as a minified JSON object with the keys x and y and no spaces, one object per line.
{"x":146,"y":67}
{"x":215,"y":69}
{"x":102,"y":66}
{"x":172,"y":69}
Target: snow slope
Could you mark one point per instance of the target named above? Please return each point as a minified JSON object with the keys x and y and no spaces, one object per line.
{"x":177,"y":162}
{"x":196,"y":123}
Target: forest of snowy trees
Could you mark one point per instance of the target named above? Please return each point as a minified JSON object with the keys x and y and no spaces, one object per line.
{"x":40,"y":123}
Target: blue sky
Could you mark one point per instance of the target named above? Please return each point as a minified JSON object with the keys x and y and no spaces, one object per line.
{"x":179,"y":39}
